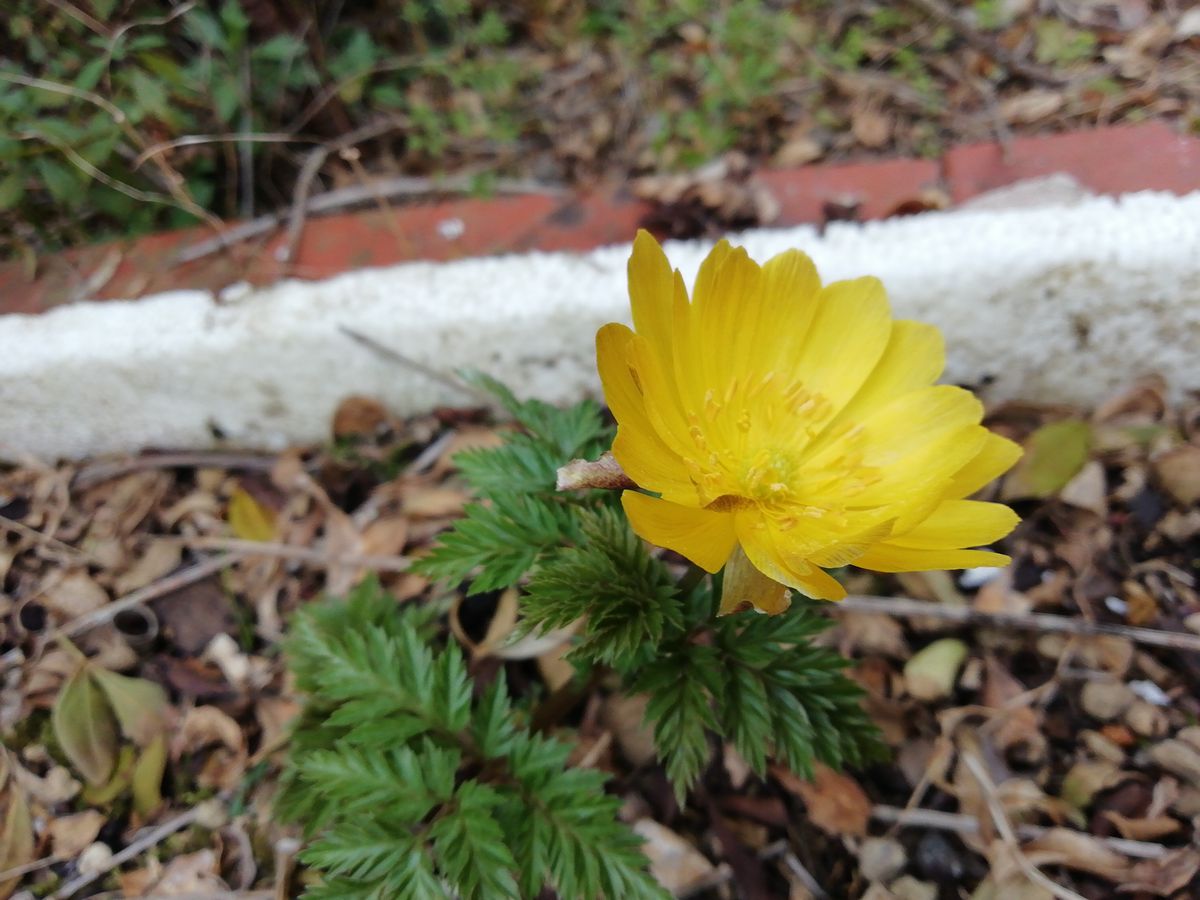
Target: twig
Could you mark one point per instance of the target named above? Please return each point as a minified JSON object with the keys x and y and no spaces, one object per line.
{"x":963,"y":824}
{"x":965,"y":615}
{"x":396,"y":356}
{"x":36,"y":866}
{"x":1000,"y":819}
{"x":150,"y":839}
{"x":152,"y":591}
{"x":105,"y":470}
{"x":805,"y":877}
{"x":242,"y":547}
{"x":192,"y":140}
{"x":312,"y":164}
{"x":43,"y":539}
{"x":987,"y":46}
{"x":286,"y":849}
{"x":398,"y":186}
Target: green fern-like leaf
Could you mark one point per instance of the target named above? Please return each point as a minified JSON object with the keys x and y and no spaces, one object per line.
{"x":500,"y":541}
{"x":628,"y":596}
{"x":409,"y":787}
{"x":682,"y":684}
{"x":470,"y":845}
{"x":785,"y":697}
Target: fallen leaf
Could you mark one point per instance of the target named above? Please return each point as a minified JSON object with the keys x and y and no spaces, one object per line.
{"x":870,"y":126}
{"x":147,"y":777}
{"x":85,"y":727}
{"x":1032,"y":106}
{"x":358,"y":416}
{"x":798,"y":150}
{"x":74,"y":594}
{"x":674,"y":863}
{"x":835,"y":801}
{"x":625,"y":716}
{"x":1178,"y":471}
{"x":1054,"y":454}
{"x":70,"y":834}
{"x":16,"y":826}
{"x":1088,"y":489}
{"x":1144,"y":829}
{"x":931,"y":672}
{"x":140,"y":705}
{"x":249,"y":519}
{"x":158,"y":559}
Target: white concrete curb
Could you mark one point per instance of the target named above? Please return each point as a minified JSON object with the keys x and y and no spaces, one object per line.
{"x":1065,"y":303}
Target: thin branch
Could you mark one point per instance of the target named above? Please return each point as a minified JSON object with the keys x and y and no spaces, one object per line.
{"x":55,"y":88}
{"x":44,"y":539}
{"x":104,"y":178}
{"x":433,"y":374}
{"x":152,"y":591}
{"x":151,"y":838}
{"x":312,"y":164}
{"x":192,"y":140}
{"x":78,"y":14}
{"x":245,"y":548}
{"x":1008,"y":836}
{"x":963,"y":824}
{"x":36,"y":866}
{"x":398,"y":186}
{"x":105,"y":470}
{"x":904,"y":607}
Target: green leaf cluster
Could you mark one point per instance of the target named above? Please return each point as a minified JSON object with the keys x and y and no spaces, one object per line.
{"x":519,"y":516}
{"x":755,"y":681}
{"x":408,"y":786}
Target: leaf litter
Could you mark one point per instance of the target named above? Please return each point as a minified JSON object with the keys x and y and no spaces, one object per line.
{"x":140,"y":754}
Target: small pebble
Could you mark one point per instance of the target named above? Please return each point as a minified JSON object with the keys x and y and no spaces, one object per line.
{"x":908,"y":888}
{"x":939,"y":860}
{"x":978,"y":576}
{"x":881,"y":859}
{"x":1150,"y":692}
{"x":94,"y":859}
{"x":1106,"y":700}
{"x":1146,"y":719}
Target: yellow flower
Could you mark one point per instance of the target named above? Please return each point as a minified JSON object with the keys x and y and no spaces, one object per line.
{"x":790,"y":427}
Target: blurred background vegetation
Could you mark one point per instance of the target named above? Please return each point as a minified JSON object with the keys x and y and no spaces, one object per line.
{"x":119,"y":117}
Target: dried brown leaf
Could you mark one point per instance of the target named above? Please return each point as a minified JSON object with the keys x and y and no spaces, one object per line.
{"x":836,"y":803}
{"x":70,"y":834}
{"x":675,"y":864}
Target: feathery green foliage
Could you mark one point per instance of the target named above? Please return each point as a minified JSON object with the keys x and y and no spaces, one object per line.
{"x":407,"y":787}
{"x":626,"y":597}
{"x":522,"y":517}
{"x":752,"y":680}
{"x":410,"y":786}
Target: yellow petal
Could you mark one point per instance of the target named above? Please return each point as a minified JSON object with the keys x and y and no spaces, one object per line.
{"x":890,"y":558}
{"x":703,"y":536}
{"x":849,"y":332}
{"x":960,"y":523}
{"x":723,"y":296}
{"x":772,"y":324}
{"x":653,"y":466}
{"x":907,"y":449}
{"x":995,"y":457}
{"x":651,"y":293}
{"x":914,"y":358}
{"x":777,"y":556}
{"x":744,"y":587}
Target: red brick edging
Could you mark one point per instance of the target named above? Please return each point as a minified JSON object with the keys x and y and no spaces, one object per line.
{"x":1112,"y":160}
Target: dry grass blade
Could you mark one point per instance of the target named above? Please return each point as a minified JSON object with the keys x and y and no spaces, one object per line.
{"x":1042,"y":622}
